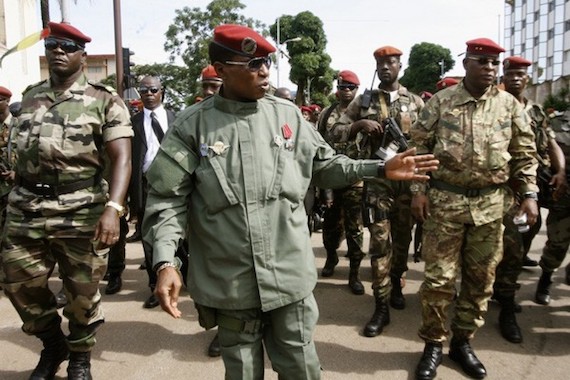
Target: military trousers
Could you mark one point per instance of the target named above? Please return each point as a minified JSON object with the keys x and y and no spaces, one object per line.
{"x":381,"y":257}
{"x":558,"y":236}
{"x":402,"y":223}
{"x":287,"y":335}
{"x":29,"y":254}
{"x":117,"y":252}
{"x":510,"y":267}
{"x":450,"y":249}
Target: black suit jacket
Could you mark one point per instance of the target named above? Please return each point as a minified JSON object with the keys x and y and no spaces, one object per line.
{"x":139,"y":148}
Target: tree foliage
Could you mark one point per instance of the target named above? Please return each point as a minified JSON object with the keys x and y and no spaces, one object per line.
{"x":559,"y":101}
{"x":424,"y":67}
{"x":310,"y":64}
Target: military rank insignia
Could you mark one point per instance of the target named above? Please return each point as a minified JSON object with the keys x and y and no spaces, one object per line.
{"x":288,"y":136}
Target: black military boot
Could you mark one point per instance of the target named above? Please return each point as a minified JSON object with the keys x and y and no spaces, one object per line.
{"x":79,"y":367}
{"x":114,"y":285}
{"x":431,"y":358}
{"x":508,"y":325}
{"x":54,"y":353}
{"x":542,"y":295}
{"x":330,"y":264}
{"x":380,"y":318}
{"x":214,"y":349}
{"x":397,"y":300}
{"x":354,"y":277}
{"x":460,"y":351}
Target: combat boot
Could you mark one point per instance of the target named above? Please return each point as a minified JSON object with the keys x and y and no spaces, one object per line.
{"x":79,"y":367}
{"x":330,"y":264}
{"x":460,"y":351}
{"x":54,"y":353}
{"x":380,"y":318}
{"x":397,"y":300}
{"x":431,"y":358}
{"x":542,"y":295}
{"x":354,"y":277}
{"x":508,"y":325}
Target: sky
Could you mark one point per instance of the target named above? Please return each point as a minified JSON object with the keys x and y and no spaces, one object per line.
{"x":354,"y":29}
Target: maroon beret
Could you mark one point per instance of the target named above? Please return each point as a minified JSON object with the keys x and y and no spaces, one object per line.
{"x":516,"y":63}
{"x":315,"y":108}
{"x":446,"y":82}
{"x":387,"y":51}
{"x":209,"y":74}
{"x":5,"y":92}
{"x":306,"y":109}
{"x":242,"y":41}
{"x":348,"y":77}
{"x":483,"y":46}
{"x":68,"y":32}
{"x":425,"y":95}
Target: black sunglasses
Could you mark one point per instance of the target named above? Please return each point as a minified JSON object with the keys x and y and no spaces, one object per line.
{"x":347,"y":86}
{"x":144,"y":90}
{"x":484,"y":61}
{"x":65,"y":45}
{"x":254,"y":64}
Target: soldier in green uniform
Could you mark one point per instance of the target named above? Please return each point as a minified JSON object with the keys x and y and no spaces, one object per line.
{"x":484,"y":141}
{"x":389,"y":218}
{"x":233,"y":172}
{"x":7,"y":147}
{"x":61,"y":209}
{"x":549,"y":156}
{"x":343,"y":213}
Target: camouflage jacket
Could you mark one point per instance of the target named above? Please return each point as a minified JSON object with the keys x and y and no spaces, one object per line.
{"x":7,"y":150}
{"x":543,"y":132}
{"x":61,"y":140}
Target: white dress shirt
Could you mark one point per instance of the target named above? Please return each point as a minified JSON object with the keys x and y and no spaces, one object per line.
{"x":151,"y":139}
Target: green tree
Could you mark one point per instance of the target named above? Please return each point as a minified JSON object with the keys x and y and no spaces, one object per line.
{"x":310,"y":64}
{"x":424,"y":67}
{"x":188,"y":37}
{"x":559,"y":101}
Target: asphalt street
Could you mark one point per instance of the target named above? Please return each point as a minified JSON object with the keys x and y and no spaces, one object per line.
{"x":137,"y":343}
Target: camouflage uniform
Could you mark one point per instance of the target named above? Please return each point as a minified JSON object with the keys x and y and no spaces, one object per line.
{"x":7,"y":159}
{"x":390,"y":199}
{"x":61,"y":138}
{"x":510,"y":265}
{"x":481,"y":144}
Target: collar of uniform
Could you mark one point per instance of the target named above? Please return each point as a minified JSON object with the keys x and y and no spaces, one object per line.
{"x":78,"y":87}
{"x":235,"y":107}
{"x":465,"y":97}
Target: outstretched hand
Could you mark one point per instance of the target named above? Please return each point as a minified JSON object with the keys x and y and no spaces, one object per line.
{"x":406,"y":166}
{"x":167,"y":290}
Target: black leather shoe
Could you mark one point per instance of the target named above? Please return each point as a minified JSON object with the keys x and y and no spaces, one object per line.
{"x":214,"y":349}
{"x":151,"y":302}
{"x":431,"y":358}
{"x":508,"y":325}
{"x":137,"y":236}
{"x":542,"y":295}
{"x":79,"y":367}
{"x":380,"y":318}
{"x":114,"y":285}
{"x":460,"y":351}
{"x":54,"y":353}
{"x":528,"y":262}
{"x":330,"y":264}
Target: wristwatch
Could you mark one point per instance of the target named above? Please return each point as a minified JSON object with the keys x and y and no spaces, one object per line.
{"x":120,"y":209}
{"x":531,"y":195}
{"x":415,"y":189}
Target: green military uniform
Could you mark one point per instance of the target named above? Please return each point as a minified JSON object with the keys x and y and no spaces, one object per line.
{"x":391,"y":224}
{"x":480,"y":144}
{"x":233,"y":175}
{"x":60,"y":142}
{"x":7,"y":159}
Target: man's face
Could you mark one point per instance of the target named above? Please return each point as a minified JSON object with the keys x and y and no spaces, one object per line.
{"x":210,"y":87}
{"x":243,"y":82}
{"x":62,"y":61}
{"x":388,"y":69}
{"x":150,"y":90}
{"x":346,"y":91}
{"x":480,"y":70}
{"x":4,"y":104}
{"x":515,"y":80}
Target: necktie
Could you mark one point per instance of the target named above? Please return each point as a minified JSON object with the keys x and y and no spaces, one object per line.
{"x":156,"y":127}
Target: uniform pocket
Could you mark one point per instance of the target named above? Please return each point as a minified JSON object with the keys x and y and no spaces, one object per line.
{"x":498,"y":154}
{"x":450,"y":147}
{"x":212,"y":184}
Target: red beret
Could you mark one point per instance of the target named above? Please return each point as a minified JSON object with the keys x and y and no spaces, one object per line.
{"x":209,"y":74}
{"x":68,"y":32}
{"x":306,"y":109}
{"x":425,"y":95}
{"x":516,"y":63}
{"x":348,"y":76}
{"x":5,"y":92}
{"x":242,"y":40}
{"x":387,"y":51}
{"x":315,"y":108}
{"x":446,"y":82}
{"x":483,"y":46}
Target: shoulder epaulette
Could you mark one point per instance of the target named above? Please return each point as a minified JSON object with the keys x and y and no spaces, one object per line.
{"x":102,"y":86}
{"x":34,"y":85}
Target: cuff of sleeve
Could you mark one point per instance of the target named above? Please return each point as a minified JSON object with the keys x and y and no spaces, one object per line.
{"x":162,"y":255}
{"x":370,"y":169}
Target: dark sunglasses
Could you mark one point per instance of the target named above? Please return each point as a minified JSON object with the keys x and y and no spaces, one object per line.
{"x":65,"y":45}
{"x":144,"y":90}
{"x":254,"y":64}
{"x":347,"y":86}
{"x":484,"y":61}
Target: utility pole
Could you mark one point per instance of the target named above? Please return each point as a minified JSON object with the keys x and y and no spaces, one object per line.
{"x":118,"y":46}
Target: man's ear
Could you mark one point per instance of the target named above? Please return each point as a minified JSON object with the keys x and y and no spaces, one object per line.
{"x":219,"y":67}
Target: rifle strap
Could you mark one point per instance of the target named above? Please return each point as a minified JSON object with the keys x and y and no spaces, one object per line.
{"x":323,"y":122}
{"x":383,"y":106}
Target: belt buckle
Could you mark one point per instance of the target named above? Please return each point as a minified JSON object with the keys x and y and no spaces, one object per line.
{"x":471,"y":193}
{"x":43,"y":189}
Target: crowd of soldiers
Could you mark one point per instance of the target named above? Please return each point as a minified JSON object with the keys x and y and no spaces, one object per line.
{"x":225,"y":180}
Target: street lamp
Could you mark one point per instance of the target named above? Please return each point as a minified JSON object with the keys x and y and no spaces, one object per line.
{"x":280,"y":53}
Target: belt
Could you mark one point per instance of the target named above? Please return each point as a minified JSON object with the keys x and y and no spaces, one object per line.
{"x":52,"y":191}
{"x":470,"y":193}
{"x":237,"y":325}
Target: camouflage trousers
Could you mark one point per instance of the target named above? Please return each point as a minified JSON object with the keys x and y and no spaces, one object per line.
{"x":510,"y":266}
{"x":31,"y":248}
{"x":381,"y":258}
{"x":344,"y":217}
{"x":402,"y":223}
{"x":451,"y":249}
{"x":558,"y":235}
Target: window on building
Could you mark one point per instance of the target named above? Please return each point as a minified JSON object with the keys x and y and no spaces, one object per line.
{"x":94,"y":69}
{"x":567,"y":24}
{"x":551,"y":6}
{"x":550,"y":34}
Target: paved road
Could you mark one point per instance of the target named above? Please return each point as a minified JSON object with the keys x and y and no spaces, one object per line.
{"x":136,"y":343}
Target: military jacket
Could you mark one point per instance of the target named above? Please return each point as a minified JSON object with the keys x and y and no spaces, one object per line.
{"x":234,"y":175}
{"x":560,"y":122}
{"x":542,"y":130}
{"x":61,"y":139}
{"x":479,"y":143}
{"x":7,"y":150}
